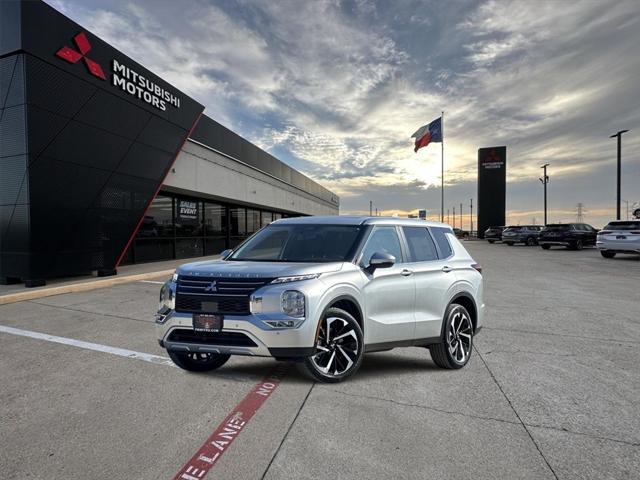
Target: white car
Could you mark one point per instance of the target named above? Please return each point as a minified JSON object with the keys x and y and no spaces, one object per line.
{"x":619,"y":236}
{"x":323,"y":291}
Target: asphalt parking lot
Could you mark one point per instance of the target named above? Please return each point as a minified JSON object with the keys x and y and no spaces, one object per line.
{"x":551,"y":391}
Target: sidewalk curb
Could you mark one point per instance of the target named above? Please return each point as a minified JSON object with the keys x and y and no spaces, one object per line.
{"x":80,"y":287}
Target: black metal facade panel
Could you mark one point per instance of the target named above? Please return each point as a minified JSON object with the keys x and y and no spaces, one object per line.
{"x":45,"y":31}
{"x":220,"y":138}
{"x":90,"y":180}
{"x":492,"y":179}
{"x":14,"y":186}
{"x":81,"y":159}
{"x":10,"y":25}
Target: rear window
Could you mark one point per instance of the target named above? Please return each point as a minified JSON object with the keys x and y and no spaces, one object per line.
{"x":440,"y":236}
{"x":513,"y":229}
{"x":421,"y":246}
{"x":630,"y":225}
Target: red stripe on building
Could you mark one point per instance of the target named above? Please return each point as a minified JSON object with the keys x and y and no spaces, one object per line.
{"x":164,"y":178}
{"x":223,"y":436}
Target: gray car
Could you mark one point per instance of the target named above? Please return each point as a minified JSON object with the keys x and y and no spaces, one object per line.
{"x":323,"y":291}
{"x":526,"y":234}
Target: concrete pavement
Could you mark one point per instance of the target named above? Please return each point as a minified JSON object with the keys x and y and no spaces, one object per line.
{"x":551,"y":390}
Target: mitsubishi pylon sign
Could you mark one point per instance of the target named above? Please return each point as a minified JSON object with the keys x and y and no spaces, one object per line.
{"x":492,"y":178}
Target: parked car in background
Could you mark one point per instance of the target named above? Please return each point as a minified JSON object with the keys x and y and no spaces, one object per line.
{"x":458,"y":232}
{"x":494,"y":234}
{"x":575,"y":236}
{"x":620,"y":236}
{"x":527,"y":234}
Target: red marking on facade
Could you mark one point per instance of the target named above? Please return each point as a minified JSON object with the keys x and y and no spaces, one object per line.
{"x":146,"y":209}
{"x":224,"y":435}
{"x":73,"y":56}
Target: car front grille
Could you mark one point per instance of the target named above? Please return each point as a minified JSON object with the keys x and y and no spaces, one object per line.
{"x":216,"y":295}
{"x":223,"y":339}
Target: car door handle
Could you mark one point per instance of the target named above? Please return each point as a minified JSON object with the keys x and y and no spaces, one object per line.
{"x":406,"y":272}
{"x":446,"y":269}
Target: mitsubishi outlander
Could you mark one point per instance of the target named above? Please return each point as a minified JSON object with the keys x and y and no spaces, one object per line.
{"x":323,"y":291}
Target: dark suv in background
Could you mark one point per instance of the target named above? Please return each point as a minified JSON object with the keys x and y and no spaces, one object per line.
{"x":493,"y":234}
{"x":571,"y":235}
{"x":527,"y":234}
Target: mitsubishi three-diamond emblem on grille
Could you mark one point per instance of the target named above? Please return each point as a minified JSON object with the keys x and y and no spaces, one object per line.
{"x":211,"y":287}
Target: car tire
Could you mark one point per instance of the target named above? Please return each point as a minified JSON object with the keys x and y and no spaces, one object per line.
{"x":455,"y":349}
{"x":198,"y":362}
{"x":491,"y":241}
{"x":530,"y":242}
{"x":545,"y":246}
{"x":607,"y":254}
{"x":509,"y":243}
{"x":577,"y":245}
{"x":339,"y":348}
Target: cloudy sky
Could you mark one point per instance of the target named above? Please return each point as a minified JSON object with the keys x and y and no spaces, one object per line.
{"x":336,"y":88}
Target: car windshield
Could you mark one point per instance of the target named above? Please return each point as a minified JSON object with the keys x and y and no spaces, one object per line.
{"x":630,"y":225}
{"x":300,"y":243}
{"x":558,"y":228}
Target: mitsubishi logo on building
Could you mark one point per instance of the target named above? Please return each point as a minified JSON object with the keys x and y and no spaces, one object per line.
{"x":74,"y":56}
{"x":211,"y":287}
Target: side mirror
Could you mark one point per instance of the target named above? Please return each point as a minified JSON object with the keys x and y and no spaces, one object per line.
{"x":226,"y":253}
{"x":381,"y":260}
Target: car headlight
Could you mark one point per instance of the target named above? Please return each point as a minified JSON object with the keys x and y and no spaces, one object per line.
{"x":167,"y":298}
{"x":293,"y":303}
{"x":296,"y":278}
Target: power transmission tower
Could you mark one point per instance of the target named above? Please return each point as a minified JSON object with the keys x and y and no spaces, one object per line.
{"x":580,"y":211}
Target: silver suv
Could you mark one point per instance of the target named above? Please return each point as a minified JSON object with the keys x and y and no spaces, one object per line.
{"x":323,"y":291}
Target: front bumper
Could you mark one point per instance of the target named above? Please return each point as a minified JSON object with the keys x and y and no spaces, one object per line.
{"x":241,"y":335}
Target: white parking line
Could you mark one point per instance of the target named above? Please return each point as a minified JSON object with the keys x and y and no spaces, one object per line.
{"x":152,"y":281}
{"x":121,"y":352}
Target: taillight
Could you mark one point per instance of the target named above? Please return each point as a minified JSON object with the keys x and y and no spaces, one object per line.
{"x":635,"y":232}
{"x":605,"y":232}
{"x":477,"y":267}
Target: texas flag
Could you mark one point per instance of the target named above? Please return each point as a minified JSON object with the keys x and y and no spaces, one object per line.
{"x":427,"y":134}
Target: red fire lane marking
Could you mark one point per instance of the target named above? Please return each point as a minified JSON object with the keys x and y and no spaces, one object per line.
{"x":223,"y":436}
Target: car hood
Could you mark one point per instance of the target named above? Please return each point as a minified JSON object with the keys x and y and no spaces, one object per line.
{"x":239,"y":269}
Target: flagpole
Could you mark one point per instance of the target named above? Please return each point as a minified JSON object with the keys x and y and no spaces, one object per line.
{"x":442,"y":170}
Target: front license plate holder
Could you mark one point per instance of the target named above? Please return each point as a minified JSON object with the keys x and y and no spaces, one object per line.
{"x":208,"y":322}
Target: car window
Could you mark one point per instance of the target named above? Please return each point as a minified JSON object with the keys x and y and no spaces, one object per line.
{"x":623,"y":225}
{"x":421,"y":246}
{"x":382,"y":240}
{"x":440,"y":236}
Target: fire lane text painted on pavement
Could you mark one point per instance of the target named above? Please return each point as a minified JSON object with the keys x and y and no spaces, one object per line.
{"x":223,"y":436}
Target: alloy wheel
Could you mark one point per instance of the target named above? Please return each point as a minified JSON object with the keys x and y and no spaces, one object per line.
{"x":459,"y":335}
{"x":336,"y":348}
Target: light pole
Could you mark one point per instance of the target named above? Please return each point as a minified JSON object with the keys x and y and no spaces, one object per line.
{"x":619,"y":136}
{"x":370,"y":208}
{"x":454,"y":217}
{"x":545,"y":180}
{"x":471,"y":214}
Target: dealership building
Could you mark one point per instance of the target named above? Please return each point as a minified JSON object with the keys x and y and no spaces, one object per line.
{"x":103,"y":163}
